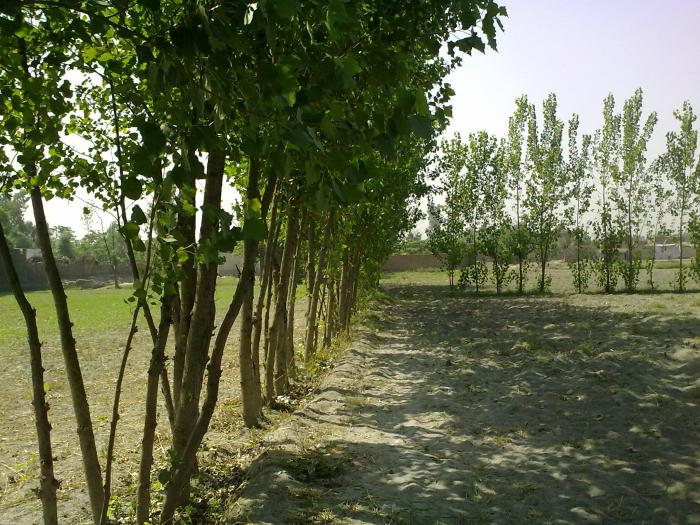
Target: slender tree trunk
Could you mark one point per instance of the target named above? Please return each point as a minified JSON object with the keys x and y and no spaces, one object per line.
{"x":266,"y":285}
{"x":681,"y":279}
{"x":249,"y":370}
{"x":143,"y":503}
{"x":47,"y":483}
{"x":357,"y":264}
{"x":115,"y":414}
{"x":330,"y":316}
{"x":186,"y":225}
{"x":86,"y":437}
{"x":269,"y":392}
{"x":278,"y":330}
{"x":520,"y":248}
{"x":121,"y":218}
{"x":543,"y":272}
{"x":311,"y":259}
{"x":182,"y":473}
{"x":630,"y":269}
{"x":309,"y":347}
{"x":204,"y":312}
{"x":345,"y":287}
{"x":291,"y":304}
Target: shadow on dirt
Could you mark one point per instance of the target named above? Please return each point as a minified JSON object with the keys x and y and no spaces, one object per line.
{"x":517,"y":410}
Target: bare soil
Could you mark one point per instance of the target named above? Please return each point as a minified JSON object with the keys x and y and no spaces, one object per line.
{"x":462,"y":409}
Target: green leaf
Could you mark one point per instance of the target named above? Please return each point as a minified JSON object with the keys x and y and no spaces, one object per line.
{"x":154,"y":139}
{"x":104,"y":57}
{"x":130,"y":230}
{"x":138,"y":216}
{"x":422,"y":126}
{"x":351,"y":65}
{"x":132,"y":188}
{"x":422,"y":107}
{"x":254,"y":228}
{"x":285,"y":8}
{"x":90,"y":54}
{"x":138,"y":245}
{"x":164,"y":476}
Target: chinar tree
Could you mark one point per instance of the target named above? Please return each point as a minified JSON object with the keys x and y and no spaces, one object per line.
{"x":683,"y":171}
{"x":545,"y":188}
{"x":579,"y":197}
{"x":517,"y":176}
{"x":631,"y":182}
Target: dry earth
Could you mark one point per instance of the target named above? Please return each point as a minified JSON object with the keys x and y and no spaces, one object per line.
{"x":457,"y":410}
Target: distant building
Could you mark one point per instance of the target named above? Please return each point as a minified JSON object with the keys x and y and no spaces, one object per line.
{"x":673,"y":251}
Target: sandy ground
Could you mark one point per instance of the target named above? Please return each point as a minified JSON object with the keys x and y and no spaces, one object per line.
{"x":460,"y":410}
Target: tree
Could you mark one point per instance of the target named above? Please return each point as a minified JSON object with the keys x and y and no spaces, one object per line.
{"x":656,"y":216}
{"x":309,"y":102}
{"x":105,"y":245}
{"x":19,"y":232}
{"x":64,"y":241}
{"x":579,"y":199}
{"x":682,"y":168}
{"x":631,"y":181}
{"x":544,"y":195}
{"x":606,"y":152}
{"x":496,"y":226}
{"x":446,"y":234}
{"x":517,"y":177}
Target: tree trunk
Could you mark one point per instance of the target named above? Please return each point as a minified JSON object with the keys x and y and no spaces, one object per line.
{"x":202,"y":322}
{"x":47,"y":483}
{"x":266,"y":284}
{"x":249,"y":370}
{"x":269,"y":392}
{"x":291,"y":304}
{"x":81,"y":409}
{"x":143,"y":503}
{"x":330,"y":316}
{"x":183,"y":471}
{"x":681,"y":280}
{"x":115,"y":415}
{"x":309,"y":347}
{"x":186,"y":225}
{"x":344,"y":295}
{"x":278,"y":330}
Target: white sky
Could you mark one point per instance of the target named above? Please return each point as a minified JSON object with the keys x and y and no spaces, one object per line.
{"x":581,"y":50}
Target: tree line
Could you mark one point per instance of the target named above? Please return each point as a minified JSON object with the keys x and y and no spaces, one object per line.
{"x":507,"y":201}
{"x":320,"y":115}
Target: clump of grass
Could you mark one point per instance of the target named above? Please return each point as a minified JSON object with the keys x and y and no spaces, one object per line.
{"x":356,"y":402}
{"x":317,"y":465}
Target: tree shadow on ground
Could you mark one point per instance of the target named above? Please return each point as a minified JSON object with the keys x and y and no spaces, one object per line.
{"x":492,"y":410}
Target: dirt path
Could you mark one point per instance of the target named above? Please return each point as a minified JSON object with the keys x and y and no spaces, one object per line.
{"x":488,"y":410}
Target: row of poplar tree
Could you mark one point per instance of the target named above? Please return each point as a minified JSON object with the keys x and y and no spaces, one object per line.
{"x":319,"y":114}
{"x":507,"y":201}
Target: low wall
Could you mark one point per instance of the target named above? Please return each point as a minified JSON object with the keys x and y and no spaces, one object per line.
{"x":31,"y":275}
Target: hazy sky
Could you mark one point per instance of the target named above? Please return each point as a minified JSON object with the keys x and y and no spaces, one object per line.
{"x":579,"y":49}
{"x":582,"y":50}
